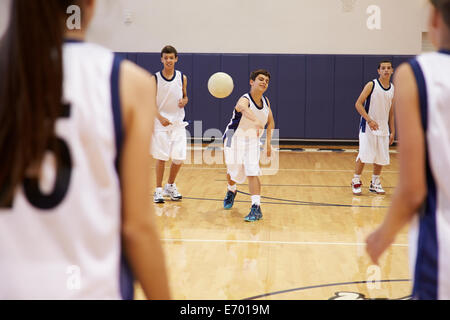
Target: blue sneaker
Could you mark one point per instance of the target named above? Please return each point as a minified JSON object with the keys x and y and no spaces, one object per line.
{"x":229,"y":199}
{"x":255,"y":214}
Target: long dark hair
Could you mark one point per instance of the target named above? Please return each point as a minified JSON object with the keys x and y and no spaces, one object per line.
{"x":444,"y":7}
{"x":30,"y":86}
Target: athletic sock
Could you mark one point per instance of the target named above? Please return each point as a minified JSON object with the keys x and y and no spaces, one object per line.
{"x":256,"y":200}
{"x":232,"y":188}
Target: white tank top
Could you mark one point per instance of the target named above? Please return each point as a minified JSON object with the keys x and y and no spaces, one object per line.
{"x":63,"y":241}
{"x":430,"y":231}
{"x":378,"y":105}
{"x":169,"y":93}
{"x":247,"y":127}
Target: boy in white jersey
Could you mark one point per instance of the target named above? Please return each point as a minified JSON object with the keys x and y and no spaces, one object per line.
{"x":422,"y":196}
{"x":377,"y":129}
{"x":242,"y":142}
{"x":169,"y":138}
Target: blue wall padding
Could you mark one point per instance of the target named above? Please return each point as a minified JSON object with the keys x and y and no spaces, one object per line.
{"x":291,"y":104}
{"x":312,"y":96}
{"x":348,"y":77}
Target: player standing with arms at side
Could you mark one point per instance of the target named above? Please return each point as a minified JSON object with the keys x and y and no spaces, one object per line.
{"x":377,"y":130}
{"x":169,"y":137}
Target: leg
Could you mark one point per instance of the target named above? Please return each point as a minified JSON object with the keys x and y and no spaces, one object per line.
{"x":356,"y":181}
{"x":231,"y":193}
{"x":159,"y":164}
{"x":158,"y":195}
{"x":174,"y":169}
{"x":254,"y":185}
{"x":178,"y":155}
{"x":170,"y":189}
{"x":359,"y":167}
{"x":230,"y":182}
{"x":377,"y":169}
{"x":255,"y":190}
{"x":375,"y":184}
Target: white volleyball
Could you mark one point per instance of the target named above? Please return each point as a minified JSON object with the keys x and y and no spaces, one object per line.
{"x":220,"y":85}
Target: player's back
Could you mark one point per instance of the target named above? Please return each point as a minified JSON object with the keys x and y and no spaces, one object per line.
{"x":432,"y":73}
{"x":60,"y":237}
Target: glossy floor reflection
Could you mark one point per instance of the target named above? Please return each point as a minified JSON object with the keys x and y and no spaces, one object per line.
{"x":309,"y":244}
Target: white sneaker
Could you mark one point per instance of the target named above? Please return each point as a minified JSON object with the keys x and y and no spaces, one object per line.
{"x":377,"y":188}
{"x":356,"y":186}
{"x":158,"y":197}
{"x":172,"y":192}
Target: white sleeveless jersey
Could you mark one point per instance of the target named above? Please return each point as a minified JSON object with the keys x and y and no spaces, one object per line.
{"x":169,"y":93}
{"x":430,"y":231}
{"x":62,"y":240}
{"x":377,"y":106}
{"x":240,"y":125}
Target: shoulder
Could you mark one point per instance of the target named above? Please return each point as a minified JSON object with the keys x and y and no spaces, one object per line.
{"x":138,"y":76}
{"x":243,"y":102}
{"x":370,"y":86}
{"x":134,"y":85}
{"x":267,"y":101}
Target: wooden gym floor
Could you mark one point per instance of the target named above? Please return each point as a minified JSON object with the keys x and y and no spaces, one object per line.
{"x":310,"y":243}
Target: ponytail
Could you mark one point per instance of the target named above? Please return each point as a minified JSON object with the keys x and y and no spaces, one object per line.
{"x":30,"y":87}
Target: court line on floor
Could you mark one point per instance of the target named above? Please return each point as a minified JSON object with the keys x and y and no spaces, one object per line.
{"x":324,"y":243}
{"x":298,"y":185}
{"x":186,"y":167}
{"x":329,"y":285}
{"x":294,"y":202}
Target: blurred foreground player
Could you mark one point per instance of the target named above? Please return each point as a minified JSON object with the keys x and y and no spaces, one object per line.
{"x":422,"y":196}
{"x":75,"y":216}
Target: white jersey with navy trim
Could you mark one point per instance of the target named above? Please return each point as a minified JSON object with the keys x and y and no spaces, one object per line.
{"x":430,"y":230}
{"x":240,"y":125}
{"x":62,"y":240}
{"x":377,"y":106}
{"x":169,"y":93}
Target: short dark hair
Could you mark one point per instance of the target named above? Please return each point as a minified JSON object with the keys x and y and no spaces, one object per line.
{"x":169,"y":49}
{"x":256,"y":73}
{"x":443,"y":6}
{"x":385,"y":61}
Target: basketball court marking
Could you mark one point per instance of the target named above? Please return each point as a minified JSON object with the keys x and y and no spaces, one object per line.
{"x":330,"y":285}
{"x":294,"y":202}
{"x":281,"y":169}
{"x":274,"y":242}
{"x":298,"y":185}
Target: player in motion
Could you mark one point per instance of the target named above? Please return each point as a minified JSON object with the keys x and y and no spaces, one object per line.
{"x":242,"y":142}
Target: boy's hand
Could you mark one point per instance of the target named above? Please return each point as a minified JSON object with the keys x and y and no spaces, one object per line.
{"x":377,"y":242}
{"x":269,"y":150}
{"x":164,"y":121}
{"x":182,"y":102}
{"x":373,"y":125}
{"x":391,"y":138}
